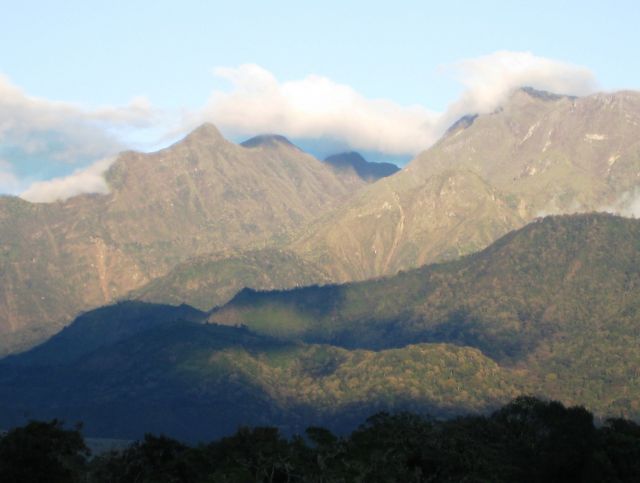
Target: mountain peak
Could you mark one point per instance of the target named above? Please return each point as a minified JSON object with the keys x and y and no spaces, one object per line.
{"x":206,"y":132}
{"x":267,"y":140}
{"x":353,"y":157}
{"x":366,"y":170}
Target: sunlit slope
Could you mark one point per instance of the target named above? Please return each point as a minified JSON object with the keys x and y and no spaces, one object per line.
{"x":558,"y":298}
{"x":202,"y":195}
{"x":211,"y":280}
{"x":537,"y":154}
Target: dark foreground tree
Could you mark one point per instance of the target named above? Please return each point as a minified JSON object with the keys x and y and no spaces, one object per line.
{"x":156,"y":459}
{"x":545,"y":440}
{"x":43,"y":452}
{"x":528,"y":440}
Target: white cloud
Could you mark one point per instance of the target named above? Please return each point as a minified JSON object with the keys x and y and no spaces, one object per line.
{"x":40,"y":133}
{"x":62,"y":131}
{"x":628,"y":204}
{"x":86,"y":180}
{"x":634,"y":208}
{"x":315,"y":107}
{"x":40,"y":138}
{"x":490,"y":79}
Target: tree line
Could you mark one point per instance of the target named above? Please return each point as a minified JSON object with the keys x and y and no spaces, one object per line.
{"x":527,"y":440}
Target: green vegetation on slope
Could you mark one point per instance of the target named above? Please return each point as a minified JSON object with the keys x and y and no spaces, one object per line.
{"x":551,"y":309}
{"x":200,"y":380}
{"x":213,"y":280}
{"x":559,"y":297}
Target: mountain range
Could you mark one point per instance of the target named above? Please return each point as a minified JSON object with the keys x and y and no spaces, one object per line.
{"x":537,"y":154}
{"x":208,"y":201}
{"x":201,"y":196}
{"x":551,"y":309}
{"x":219,"y":284}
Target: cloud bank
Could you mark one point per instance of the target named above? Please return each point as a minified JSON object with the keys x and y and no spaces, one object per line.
{"x":42,"y":139}
{"x":61,"y":131}
{"x":490,"y":79}
{"x":627,"y":205}
{"x":317,"y":107}
{"x":86,"y":180}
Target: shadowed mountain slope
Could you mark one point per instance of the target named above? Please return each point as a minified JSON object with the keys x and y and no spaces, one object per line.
{"x":551,"y":309}
{"x":197,"y":381}
{"x":558,"y":299}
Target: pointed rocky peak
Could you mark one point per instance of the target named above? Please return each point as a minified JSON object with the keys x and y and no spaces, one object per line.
{"x":268,"y":141}
{"x":207,"y":133}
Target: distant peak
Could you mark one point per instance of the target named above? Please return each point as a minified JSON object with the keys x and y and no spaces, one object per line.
{"x":267,"y":140}
{"x":205,"y":132}
{"x":366,"y":170}
{"x":351,"y":156}
{"x":544,"y":95}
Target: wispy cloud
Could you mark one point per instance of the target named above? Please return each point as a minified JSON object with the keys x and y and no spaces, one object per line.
{"x":62,"y":131}
{"x":315,"y":107}
{"x":628,"y":204}
{"x":40,"y":137}
{"x":86,"y":180}
{"x":491,"y":78}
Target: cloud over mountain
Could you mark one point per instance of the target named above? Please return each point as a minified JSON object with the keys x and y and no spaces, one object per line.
{"x":491,"y":78}
{"x":9,"y":182}
{"x":316,"y":107}
{"x":85,"y":180}
{"x":42,"y":139}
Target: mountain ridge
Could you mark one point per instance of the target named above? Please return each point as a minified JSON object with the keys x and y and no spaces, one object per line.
{"x":537,"y":154}
{"x":552,"y":309}
{"x":201,"y":195}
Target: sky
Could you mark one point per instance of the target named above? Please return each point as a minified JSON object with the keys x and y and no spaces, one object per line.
{"x":82,"y":80}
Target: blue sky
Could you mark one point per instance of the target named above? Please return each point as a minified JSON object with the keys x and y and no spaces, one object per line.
{"x":140,"y":73}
